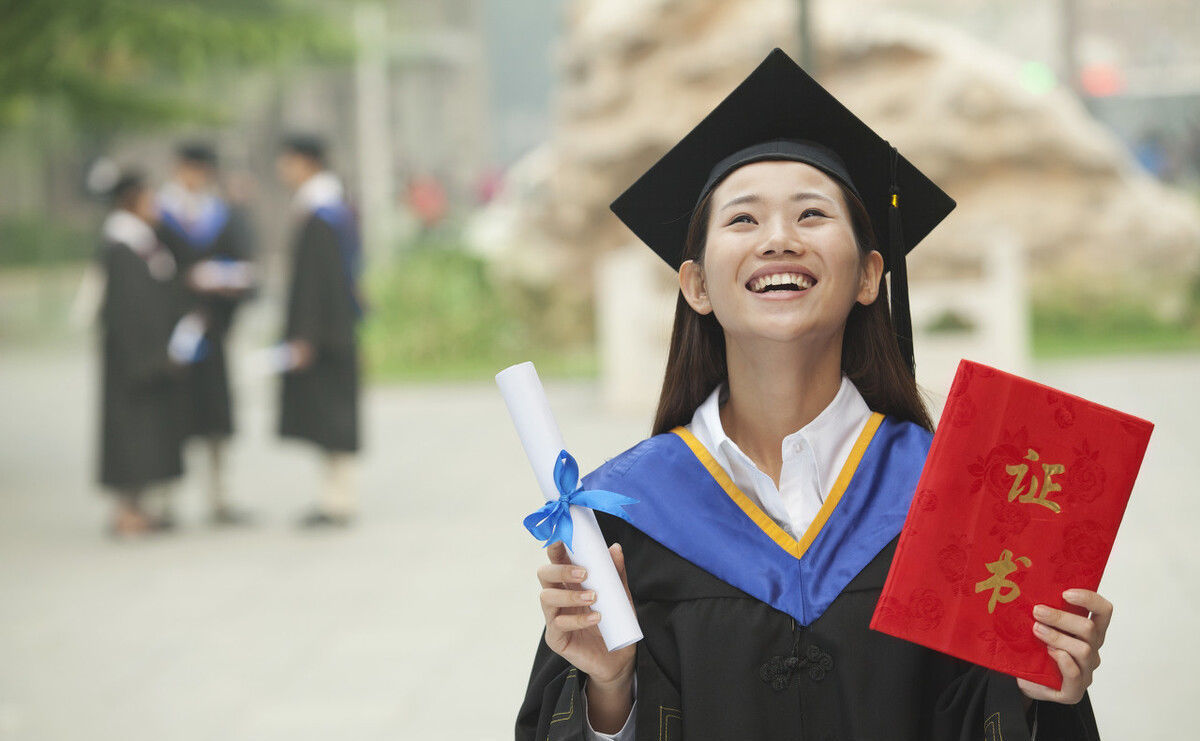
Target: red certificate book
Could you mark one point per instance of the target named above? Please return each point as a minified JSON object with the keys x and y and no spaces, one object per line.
{"x":1020,"y":499}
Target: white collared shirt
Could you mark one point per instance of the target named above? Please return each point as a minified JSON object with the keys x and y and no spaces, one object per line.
{"x":322,"y":189}
{"x":187,"y":205}
{"x":125,"y":227}
{"x":813,"y":456}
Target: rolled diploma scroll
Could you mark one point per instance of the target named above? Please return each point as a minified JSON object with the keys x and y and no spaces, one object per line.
{"x":531,"y":415}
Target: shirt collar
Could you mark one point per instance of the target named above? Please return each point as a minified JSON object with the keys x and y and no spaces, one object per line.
{"x":826,"y":435}
{"x":125,"y":227}
{"x":128,"y":229}
{"x":190,"y":206}
{"x":836,"y":425}
{"x":320,"y":190}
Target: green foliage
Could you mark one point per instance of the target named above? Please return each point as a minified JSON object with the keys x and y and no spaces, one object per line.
{"x":950,"y":322}
{"x":38,"y":240}
{"x":435,"y":314}
{"x":1061,"y":329}
{"x":121,"y":62}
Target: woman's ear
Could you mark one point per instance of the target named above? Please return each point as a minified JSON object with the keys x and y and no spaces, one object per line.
{"x":691,"y":284}
{"x":872,"y":272}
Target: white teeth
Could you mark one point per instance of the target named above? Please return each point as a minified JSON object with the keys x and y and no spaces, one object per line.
{"x":780,"y":279}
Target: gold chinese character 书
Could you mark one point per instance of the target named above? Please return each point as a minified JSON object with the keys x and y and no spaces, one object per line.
{"x":1032,"y":494}
{"x":999,"y":580}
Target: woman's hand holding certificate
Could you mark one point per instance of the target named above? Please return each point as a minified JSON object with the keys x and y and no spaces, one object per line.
{"x":567,"y":517}
{"x":1073,"y":641}
{"x":571,"y":633}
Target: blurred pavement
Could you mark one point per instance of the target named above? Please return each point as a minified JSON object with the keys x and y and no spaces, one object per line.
{"x":420,"y":622}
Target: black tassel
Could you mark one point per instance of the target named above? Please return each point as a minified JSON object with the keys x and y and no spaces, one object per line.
{"x":901,"y":317}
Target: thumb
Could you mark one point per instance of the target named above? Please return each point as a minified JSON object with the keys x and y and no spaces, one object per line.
{"x":618,"y":557}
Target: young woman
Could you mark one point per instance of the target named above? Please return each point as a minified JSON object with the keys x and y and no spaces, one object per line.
{"x":788,"y":442}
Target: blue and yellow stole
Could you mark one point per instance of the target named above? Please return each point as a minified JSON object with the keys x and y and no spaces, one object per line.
{"x":200,"y":234}
{"x":688,"y":503}
{"x":342,"y":219}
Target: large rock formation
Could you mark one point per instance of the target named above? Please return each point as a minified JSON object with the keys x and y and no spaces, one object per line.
{"x":1029,"y":168}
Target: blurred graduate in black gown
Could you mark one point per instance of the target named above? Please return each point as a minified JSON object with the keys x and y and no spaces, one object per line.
{"x":147,"y":339}
{"x":321,"y":385}
{"x":212,"y":243}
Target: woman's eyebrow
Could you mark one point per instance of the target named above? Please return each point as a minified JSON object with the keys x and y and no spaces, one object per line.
{"x":755,"y":198}
{"x":809,"y":195}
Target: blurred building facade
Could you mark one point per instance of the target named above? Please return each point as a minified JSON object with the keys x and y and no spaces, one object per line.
{"x":1135,"y":63}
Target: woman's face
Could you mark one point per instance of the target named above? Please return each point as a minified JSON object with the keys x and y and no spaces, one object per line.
{"x":780,"y":260}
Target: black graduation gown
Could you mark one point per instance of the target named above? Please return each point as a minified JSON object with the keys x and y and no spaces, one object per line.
{"x":142,"y":402}
{"x":320,"y":402}
{"x":708,"y":647}
{"x":209,"y":403}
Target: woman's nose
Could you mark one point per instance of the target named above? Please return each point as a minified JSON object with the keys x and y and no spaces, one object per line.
{"x":780,"y":241}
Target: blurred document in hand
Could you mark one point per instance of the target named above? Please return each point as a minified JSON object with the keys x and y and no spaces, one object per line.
{"x":269,"y":361}
{"x":1019,"y":500}
{"x":222,"y":274}
{"x":186,"y":344}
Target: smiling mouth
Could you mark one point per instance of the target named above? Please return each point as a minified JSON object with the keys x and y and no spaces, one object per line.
{"x":781,"y":282}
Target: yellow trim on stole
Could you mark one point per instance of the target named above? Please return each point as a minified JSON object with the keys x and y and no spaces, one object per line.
{"x":794,"y":547}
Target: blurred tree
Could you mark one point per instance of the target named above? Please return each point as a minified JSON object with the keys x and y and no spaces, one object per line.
{"x":126,"y":62}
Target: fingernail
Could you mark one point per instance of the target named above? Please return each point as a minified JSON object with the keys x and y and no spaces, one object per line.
{"x":1041,"y":611}
{"x":1070,"y":595}
{"x":579,"y":573}
{"x":1039,"y":628}
{"x":593,"y":618}
{"x":587,"y":596}
{"x":619,"y":548}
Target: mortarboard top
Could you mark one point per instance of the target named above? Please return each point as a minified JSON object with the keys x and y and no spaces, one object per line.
{"x":306,"y":145}
{"x":779,"y":112}
{"x":197,"y":152}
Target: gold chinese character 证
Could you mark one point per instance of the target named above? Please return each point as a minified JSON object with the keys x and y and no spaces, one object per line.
{"x":999,"y":580}
{"x":1032,"y":495}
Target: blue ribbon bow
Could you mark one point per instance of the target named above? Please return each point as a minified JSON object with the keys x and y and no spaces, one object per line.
{"x":552,"y":522}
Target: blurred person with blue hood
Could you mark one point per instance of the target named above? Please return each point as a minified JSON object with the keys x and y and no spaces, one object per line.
{"x":212,"y":244}
{"x":321,"y":383}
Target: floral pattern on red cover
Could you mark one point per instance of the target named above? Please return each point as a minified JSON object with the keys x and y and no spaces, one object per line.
{"x":1064,"y":408}
{"x":990,"y":471}
{"x":925,"y":500}
{"x":926,"y":609}
{"x":1009,"y":521}
{"x":1084,"y":551}
{"x":953,"y":563}
{"x":1085,"y":477}
{"x":963,"y":413}
{"x":1012,"y":630}
{"x":923,"y":611}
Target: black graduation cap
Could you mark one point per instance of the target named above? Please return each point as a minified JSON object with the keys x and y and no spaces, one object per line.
{"x":127,"y":184}
{"x":779,"y":112}
{"x":198,"y":152}
{"x":307,"y":145}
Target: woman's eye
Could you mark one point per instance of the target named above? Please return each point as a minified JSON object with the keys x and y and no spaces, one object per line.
{"x":809,"y":212}
{"x":742,"y":219}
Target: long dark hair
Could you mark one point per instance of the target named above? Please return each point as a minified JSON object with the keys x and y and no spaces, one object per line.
{"x":871,"y":358}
